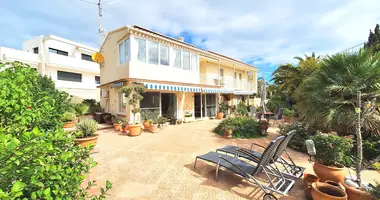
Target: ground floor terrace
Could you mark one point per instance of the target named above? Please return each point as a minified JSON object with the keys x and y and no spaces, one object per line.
{"x":175,"y":101}
{"x":161,"y":165}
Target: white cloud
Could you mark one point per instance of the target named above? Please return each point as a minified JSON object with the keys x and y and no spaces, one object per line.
{"x":269,"y":32}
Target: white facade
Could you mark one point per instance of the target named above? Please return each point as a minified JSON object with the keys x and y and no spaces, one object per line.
{"x":65,"y":61}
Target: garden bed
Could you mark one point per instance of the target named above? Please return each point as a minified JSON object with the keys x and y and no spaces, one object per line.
{"x":242,"y":127}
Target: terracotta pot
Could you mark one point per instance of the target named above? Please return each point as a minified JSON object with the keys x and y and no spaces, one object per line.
{"x":179,"y":121}
{"x":117,"y":127}
{"x":153,"y":128}
{"x":70,"y":124}
{"x":333,"y":183}
{"x":288,"y":119}
{"x":354,"y":193}
{"x":324,"y":191}
{"x":326,"y":173}
{"x":308,"y":180}
{"x":134,"y":130}
{"x":146,"y":125}
{"x":228,"y":134}
{"x":87,"y":140}
{"x":220,"y":115}
{"x":125,"y":129}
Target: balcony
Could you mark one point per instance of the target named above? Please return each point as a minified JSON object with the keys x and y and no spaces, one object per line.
{"x":76,"y":64}
{"x":228,"y":82}
{"x":8,"y":54}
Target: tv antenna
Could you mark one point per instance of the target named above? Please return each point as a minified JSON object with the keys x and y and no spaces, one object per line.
{"x":100,"y":13}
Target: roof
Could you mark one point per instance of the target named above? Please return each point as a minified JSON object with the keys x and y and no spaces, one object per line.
{"x":139,"y":28}
{"x":77,"y":44}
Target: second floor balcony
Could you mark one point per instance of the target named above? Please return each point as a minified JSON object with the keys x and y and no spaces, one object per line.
{"x":228,"y":82}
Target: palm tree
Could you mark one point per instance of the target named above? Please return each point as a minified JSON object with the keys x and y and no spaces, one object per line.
{"x":327,"y":99}
{"x":287,"y":77}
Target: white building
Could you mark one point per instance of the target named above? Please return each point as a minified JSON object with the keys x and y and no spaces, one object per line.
{"x":67,"y":62}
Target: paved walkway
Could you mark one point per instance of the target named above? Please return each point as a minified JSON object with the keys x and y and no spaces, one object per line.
{"x":160,"y":166}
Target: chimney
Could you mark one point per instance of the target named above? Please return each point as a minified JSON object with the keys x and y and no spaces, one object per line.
{"x":181,"y":39}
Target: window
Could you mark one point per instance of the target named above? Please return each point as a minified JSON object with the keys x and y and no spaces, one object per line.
{"x":239,"y":76}
{"x":59,"y":52}
{"x":164,"y":55}
{"x":121,"y":103}
{"x":86,"y":57}
{"x":124,"y":52}
{"x":153,"y":53}
{"x":186,"y":60}
{"x":141,"y":54}
{"x":35,"y":50}
{"x":177,"y":58}
{"x":97,"y":79}
{"x":151,"y":102}
{"x":234,"y":75}
{"x":194,"y":62}
{"x":211,"y":104}
{"x":68,"y":76}
{"x":221,"y":73}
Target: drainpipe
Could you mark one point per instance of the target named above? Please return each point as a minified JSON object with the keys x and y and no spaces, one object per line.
{"x":42,"y":54}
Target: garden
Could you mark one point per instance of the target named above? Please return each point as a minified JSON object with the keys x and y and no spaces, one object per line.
{"x":335,"y":101}
{"x":39,"y":159}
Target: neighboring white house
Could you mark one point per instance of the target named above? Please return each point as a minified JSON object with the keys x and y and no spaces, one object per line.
{"x":67,"y":62}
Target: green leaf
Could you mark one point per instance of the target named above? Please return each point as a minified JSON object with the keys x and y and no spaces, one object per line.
{"x":18,"y":186}
{"x":47,"y":191}
{"x":34,"y":195}
{"x":108,"y":185}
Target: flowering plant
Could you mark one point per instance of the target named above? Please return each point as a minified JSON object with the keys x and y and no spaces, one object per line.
{"x":332,"y":150}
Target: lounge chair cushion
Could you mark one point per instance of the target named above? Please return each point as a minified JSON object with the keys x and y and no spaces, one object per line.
{"x":214,"y":158}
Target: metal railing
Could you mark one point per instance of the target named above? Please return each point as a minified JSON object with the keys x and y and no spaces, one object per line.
{"x":227,"y":82}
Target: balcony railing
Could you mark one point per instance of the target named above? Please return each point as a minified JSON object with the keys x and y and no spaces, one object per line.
{"x":227,"y":82}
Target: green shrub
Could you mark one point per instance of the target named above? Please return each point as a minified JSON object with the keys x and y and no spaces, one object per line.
{"x":223,"y":107}
{"x":29,"y":100}
{"x":371,"y":148}
{"x":302,"y":134}
{"x":332,"y":150}
{"x":288,"y":112}
{"x":243,"y":127}
{"x":43,"y":165}
{"x":81,"y":109}
{"x":375,"y":166}
{"x":242,"y":109}
{"x":68,"y":117}
{"x":87,"y":127}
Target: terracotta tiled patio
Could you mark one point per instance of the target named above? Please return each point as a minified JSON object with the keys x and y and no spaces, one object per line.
{"x":160,"y":166}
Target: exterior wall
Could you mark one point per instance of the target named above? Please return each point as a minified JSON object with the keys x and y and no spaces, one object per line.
{"x":111,"y":70}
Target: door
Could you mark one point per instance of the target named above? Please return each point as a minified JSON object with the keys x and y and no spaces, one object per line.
{"x":197,"y":105}
{"x":169,"y":105}
{"x":204,"y":105}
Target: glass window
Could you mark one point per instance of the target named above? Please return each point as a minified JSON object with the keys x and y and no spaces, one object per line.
{"x":141,"y":50}
{"x":59,"y":52}
{"x":221,"y":73}
{"x":35,"y":50}
{"x":86,"y":57}
{"x":239,"y":76}
{"x":177,"y":58}
{"x":153,"y":53}
{"x":68,"y":76}
{"x":97,"y":79}
{"x":186,"y":60}
{"x":211,"y":104}
{"x":164,"y":55}
{"x":234,"y":75}
{"x":121,"y":53}
{"x":194,"y":62}
{"x":151,"y":102}
{"x":126,"y":50}
{"x":121,"y":103}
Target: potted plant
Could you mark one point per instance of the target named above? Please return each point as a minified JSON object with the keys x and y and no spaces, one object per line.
{"x":188,"y":116}
{"x":331,"y":155}
{"x":223,"y":107}
{"x":85,"y":134}
{"x":70,"y":119}
{"x":308,"y":180}
{"x":133,"y":93}
{"x":117,"y":124}
{"x":179,"y":121}
{"x":108,"y":118}
{"x":162,"y":121}
{"x":228,"y":131}
{"x":146,"y":115}
{"x":154,"y":125}
{"x":81,"y":109}
{"x":264,"y":125}
{"x":288,"y":114}
{"x":124,"y":126}
{"x":354,"y":187}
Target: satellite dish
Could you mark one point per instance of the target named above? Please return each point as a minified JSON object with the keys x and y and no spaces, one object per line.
{"x":97,"y":57}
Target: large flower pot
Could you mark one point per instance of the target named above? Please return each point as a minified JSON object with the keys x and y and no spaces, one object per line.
{"x":324,"y":191}
{"x":87,"y":140}
{"x":70,"y":124}
{"x":146,"y":125}
{"x":309,"y":179}
{"x":326,"y":173}
{"x":134,"y":130}
{"x":228,"y":134}
{"x":117,"y":127}
{"x":125,"y":129}
{"x":220,"y":115}
{"x":354,"y":193}
{"x":153,"y":128}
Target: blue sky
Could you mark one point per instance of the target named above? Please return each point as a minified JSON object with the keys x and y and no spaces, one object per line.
{"x":262,"y":33}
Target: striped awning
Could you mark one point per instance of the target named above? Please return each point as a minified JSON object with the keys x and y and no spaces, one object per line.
{"x":240,"y":92}
{"x":157,"y":86}
{"x":225,"y":91}
{"x":210,"y":90}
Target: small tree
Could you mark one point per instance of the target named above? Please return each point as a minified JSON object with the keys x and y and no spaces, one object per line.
{"x":134,"y":93}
